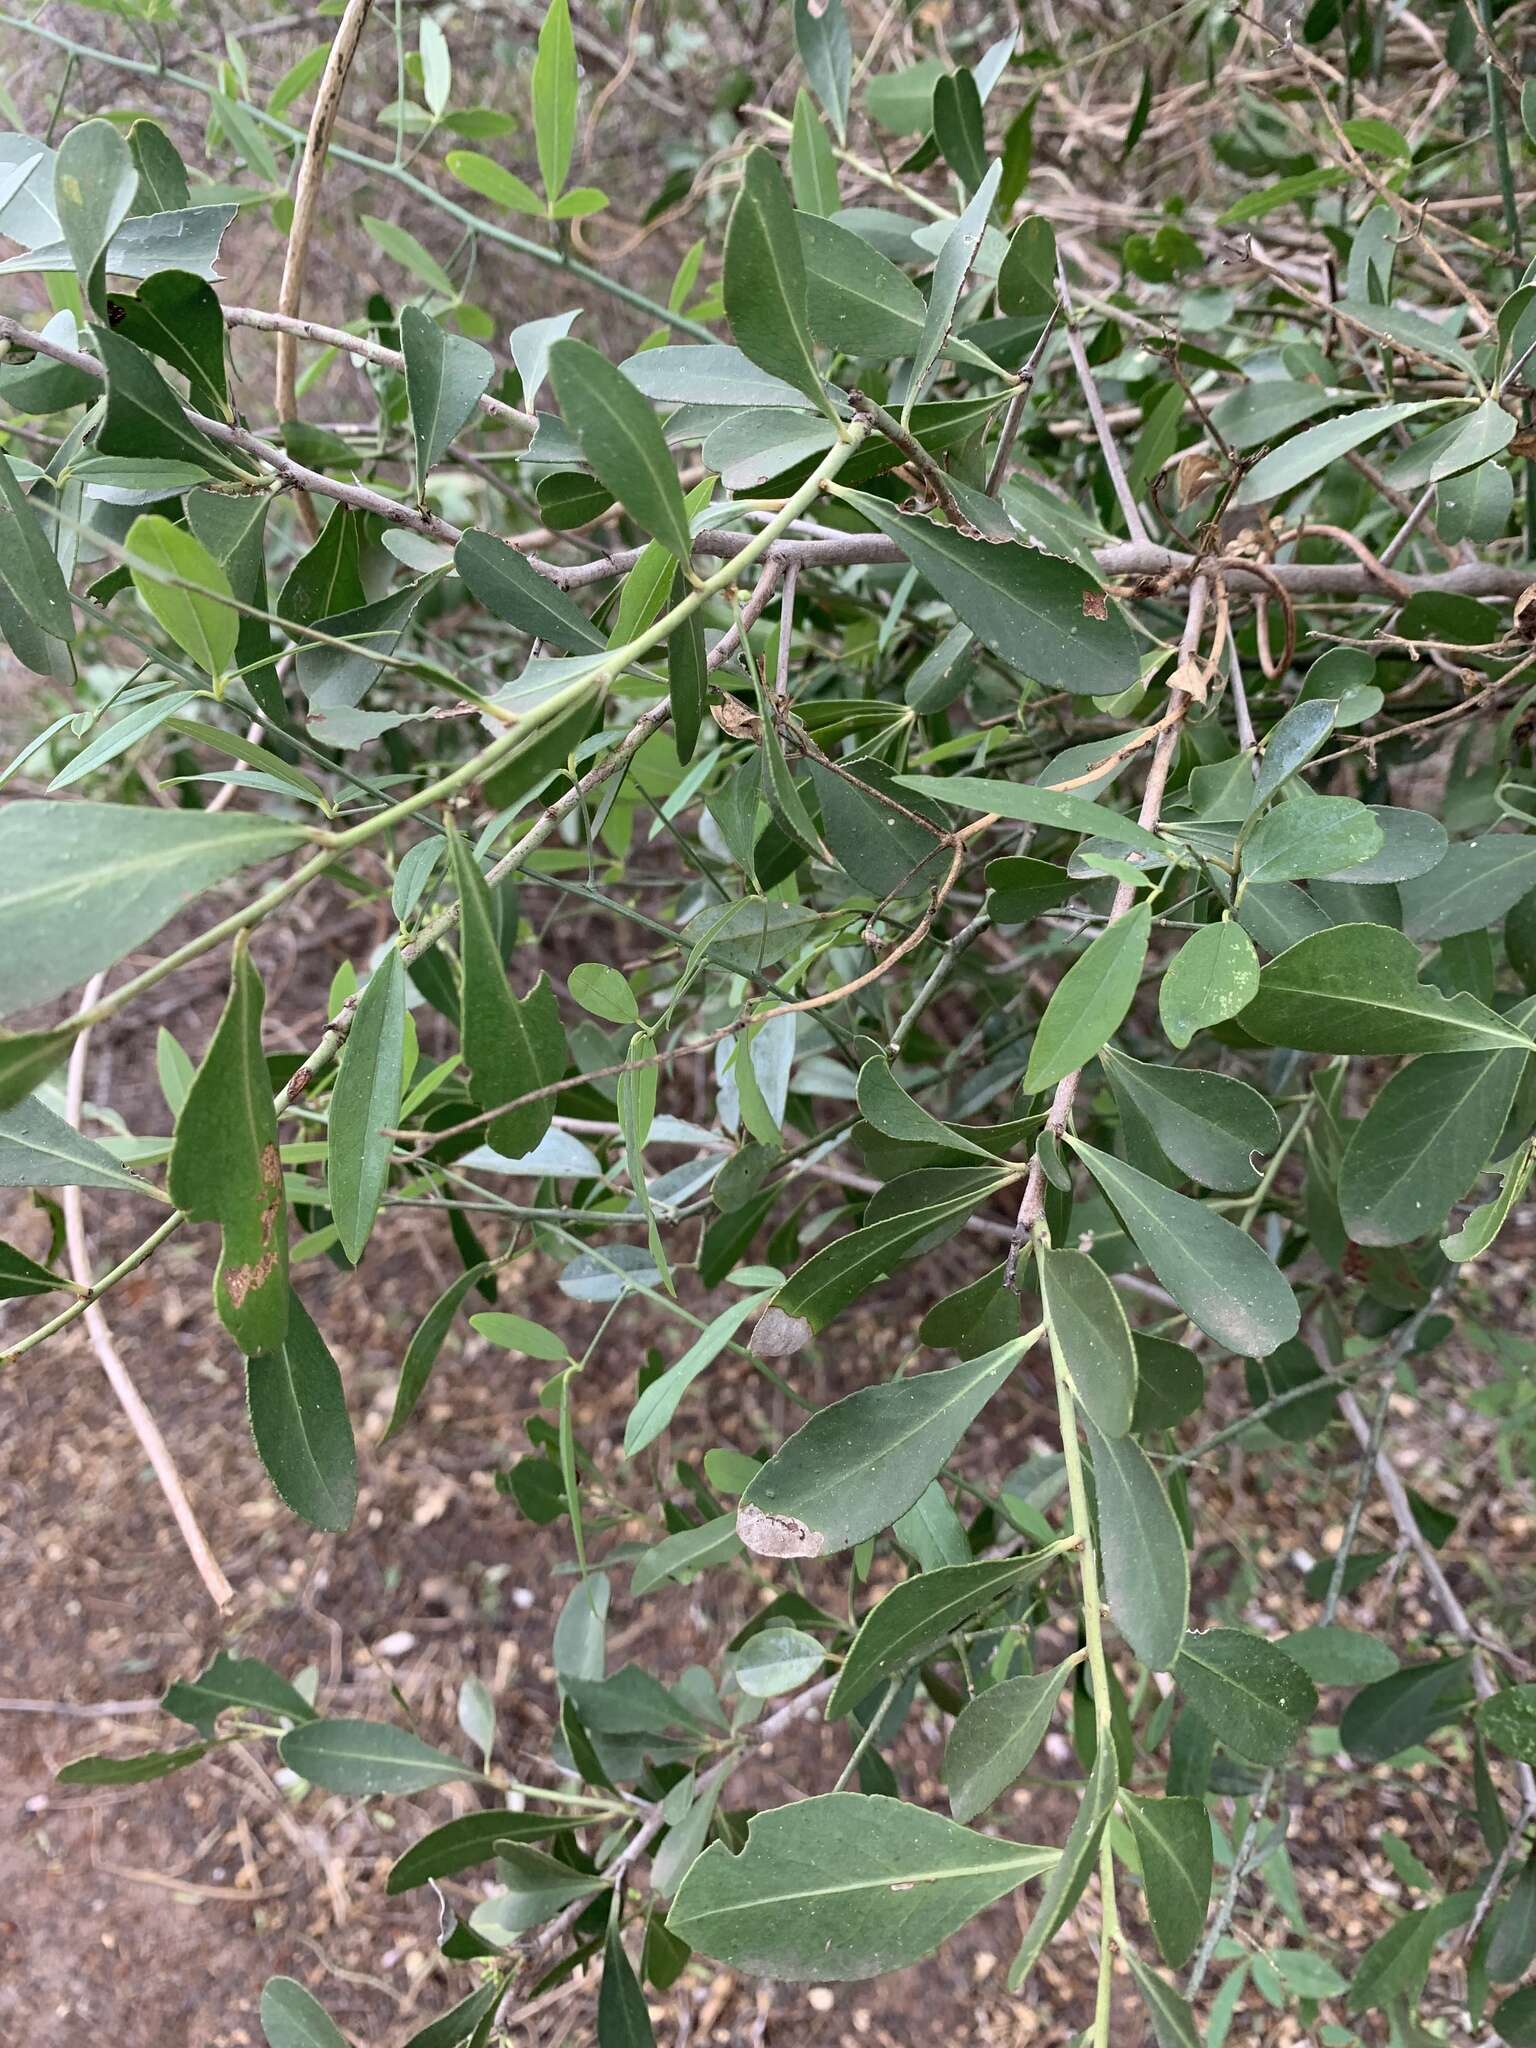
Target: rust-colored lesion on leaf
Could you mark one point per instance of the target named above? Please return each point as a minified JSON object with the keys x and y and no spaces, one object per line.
{"x":240,"y":1282}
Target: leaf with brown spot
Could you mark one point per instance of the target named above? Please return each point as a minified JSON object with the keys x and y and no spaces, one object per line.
{"x":225,"y":1168}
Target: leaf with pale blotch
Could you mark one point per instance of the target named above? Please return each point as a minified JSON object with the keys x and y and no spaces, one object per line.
{"x":842,"y":1886}
{"x":225,"y":1168}
{"x":1211,"y":977}
{"x":857,"y":1466}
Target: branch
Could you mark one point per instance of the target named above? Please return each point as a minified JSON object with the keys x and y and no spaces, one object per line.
{"x":306,"y":200}
{"x":143,"y":1424}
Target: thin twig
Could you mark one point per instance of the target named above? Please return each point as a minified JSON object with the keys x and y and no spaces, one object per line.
{"x":143,"y":1424}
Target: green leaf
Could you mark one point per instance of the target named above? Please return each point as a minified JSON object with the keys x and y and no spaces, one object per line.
{"x":1170,"y":1384}
{"x":445,"y":379}
{"x":1252,"y":1696}
{"x":1090,"y":1337}
{"x":1173,"y":1840}
{"x":1514,"y":2021}
{"x":234,"y":1682}
{"x":427,"y":1341}
{"x":163,"y":560}
{"x":1318,"y":447}
{"x":516,"y":1333}
{"x":511,"y":1044}
{"x":1402,"y":1711}
{"x":361,"y":1758}
{"x":1026,"y":803}
{"x":1173,"y":2023}
{"x":839,"y":1273}
{"x":1146,"y":1568}
{"x":1216,"y":1273}
{"x":856,"y":300}
{"x":622,"y":2018}
{"x":604,"y":992}
{"x":177,"y":317}
{"x":1477,"y":883}
{"x":777,"y":1660}
{"x":94,"y":182}
{"x":657,"y":1405}
{"x":145,"y":417}
{"x":947,"y":283}
{"x":885,"y":1104}
{"x":19,"y":1275}
{"x":876,"y":846}
{"x":1026,"y":284}
{"x":1356,"y":989}
{"x":812,"y":166}
{"x":130,"y":1770}
{"x":29,"y":571}
{"x":298,"y":1411}
{"x":471,"y":1839}
{"x":507,"y":584}
{"x":1210,"y":1125}
{"x":821,"y":37}
{"x":1026,"y":606}
{"x":225,"y":1169}
{"x":402,"y":247}
{"x":687,"y":674}
{"x":40,"y":1150}
{"x":841,"y":1887}
{"x":920,"y":1614}
{"x":364,"y":1102}
{"x":1078,"y":1856}
{"x":1213,"y":976}
{"x":1310,"y":835}
{"x":1508,"y":1721}
{"x":1090,"y":1002}
{"x":1332,"y":1655}
{"x":484,"y":175}
{"x":994,"y":1737}
{"x":553,"y":87}
{"x":537,"y":1887}
{"x":858,"y":1465}
{"x":765,"y":288}
{"x":621,"y":441}
{"x":1423,"y":1142}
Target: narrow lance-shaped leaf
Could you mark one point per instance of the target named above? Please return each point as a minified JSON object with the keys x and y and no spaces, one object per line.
{"x":298,"y":1412}
{"x":857,"y":1466}
{"x":948,"y":282}
{"x":765,"y":288}
{"x":841,"y":1887}
{"x":1146,"y":1568}
{"x":1090,"y":1002}
{"x":184,"y":588}
{"x":445,"y":378}
{"x":1090,"y":1337}
{"x":1173,"y":1840}
{"x":225,"y":1168}
{"x":554,"y":90}
{"x":361,"y":1758}
{"x":621,"y":441}
{"x":29,"y":569}
{"x":1078,"y":1855}
{"x":821,"y":37}
{"x":364,"y":1102}
{"x":512,"y":1045}
{"x":913,"y":1619}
